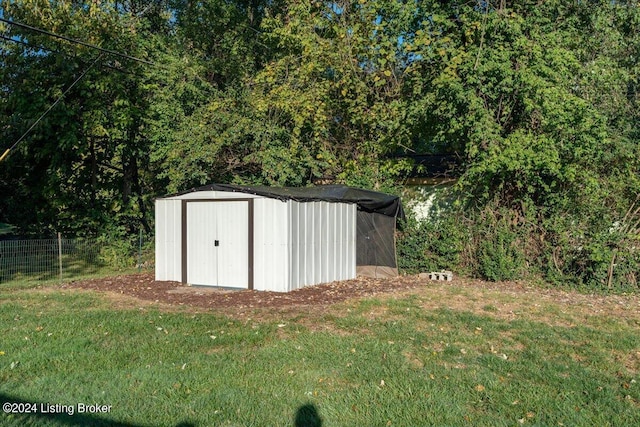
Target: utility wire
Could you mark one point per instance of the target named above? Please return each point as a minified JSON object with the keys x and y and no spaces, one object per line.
{"x":60,"y":52}
{"x":50,"y":34}
{"x":32,"y":46}
{"x":6,"y":153}
{"x":9,"y":39}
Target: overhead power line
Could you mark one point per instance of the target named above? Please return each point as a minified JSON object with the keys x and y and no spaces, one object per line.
{"x":6,"y":153}
{"x":31,"y":45}
{"x":103,"y":51}
{"x":41,"y":48}
{"x":80,"y":42}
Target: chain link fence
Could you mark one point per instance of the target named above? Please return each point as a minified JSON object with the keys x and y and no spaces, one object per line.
{"x":61,"y":258}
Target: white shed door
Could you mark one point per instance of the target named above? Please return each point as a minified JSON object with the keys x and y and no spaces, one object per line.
{"x":218,"y":243}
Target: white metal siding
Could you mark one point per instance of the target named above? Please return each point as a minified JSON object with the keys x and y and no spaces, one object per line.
{"x":271,"y":253}
{"x":322,"y":242}
{"x":340,"y":250}
{"x":350,"y":239}
{"x":327,"y":244}
{"x":309,"y":252}
{"x":299,"y":226}
{"x":168,"y":251}
{"x":295,"y":247}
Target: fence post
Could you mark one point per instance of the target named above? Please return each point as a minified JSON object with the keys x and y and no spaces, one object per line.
{"x":60,"y":253}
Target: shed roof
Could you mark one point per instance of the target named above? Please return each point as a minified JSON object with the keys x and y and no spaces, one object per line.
{"x":367,"y":200}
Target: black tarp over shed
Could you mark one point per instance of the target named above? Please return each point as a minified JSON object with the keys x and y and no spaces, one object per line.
{"x":377,"y":215}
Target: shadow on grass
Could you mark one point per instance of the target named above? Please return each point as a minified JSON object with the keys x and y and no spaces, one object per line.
{"x":21,"y":412}
{"x":307,"y":416}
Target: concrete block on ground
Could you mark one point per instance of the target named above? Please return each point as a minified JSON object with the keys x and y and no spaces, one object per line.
{"x":440,"y":275}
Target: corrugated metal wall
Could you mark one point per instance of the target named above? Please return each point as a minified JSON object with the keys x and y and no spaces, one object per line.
{"x":322,"y":247}
{"x":168,"y":239}
{"x":271,"y":241}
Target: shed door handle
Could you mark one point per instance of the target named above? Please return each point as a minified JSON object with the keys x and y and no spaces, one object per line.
{"x":216,"y":243}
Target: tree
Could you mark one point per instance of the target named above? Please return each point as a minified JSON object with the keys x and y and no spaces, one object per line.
{"x":83,"y":162}
{"x":332,"y":93}
{"x":541,"y":112}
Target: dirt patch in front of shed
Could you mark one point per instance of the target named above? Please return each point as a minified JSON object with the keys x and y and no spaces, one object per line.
{"x":504,"y":300}
{"x":144,"y":287}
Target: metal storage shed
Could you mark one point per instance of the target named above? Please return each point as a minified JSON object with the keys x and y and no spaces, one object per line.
{"x":276,"y":239}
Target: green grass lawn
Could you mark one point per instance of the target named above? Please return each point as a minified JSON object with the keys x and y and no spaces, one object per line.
{"x":392,"y":361}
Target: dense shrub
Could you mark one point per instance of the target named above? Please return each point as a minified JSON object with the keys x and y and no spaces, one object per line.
{"x":430,"y":246}
{"x":499,"y":249}
{"x":593,"y":251}
{"x":121,"y":250}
